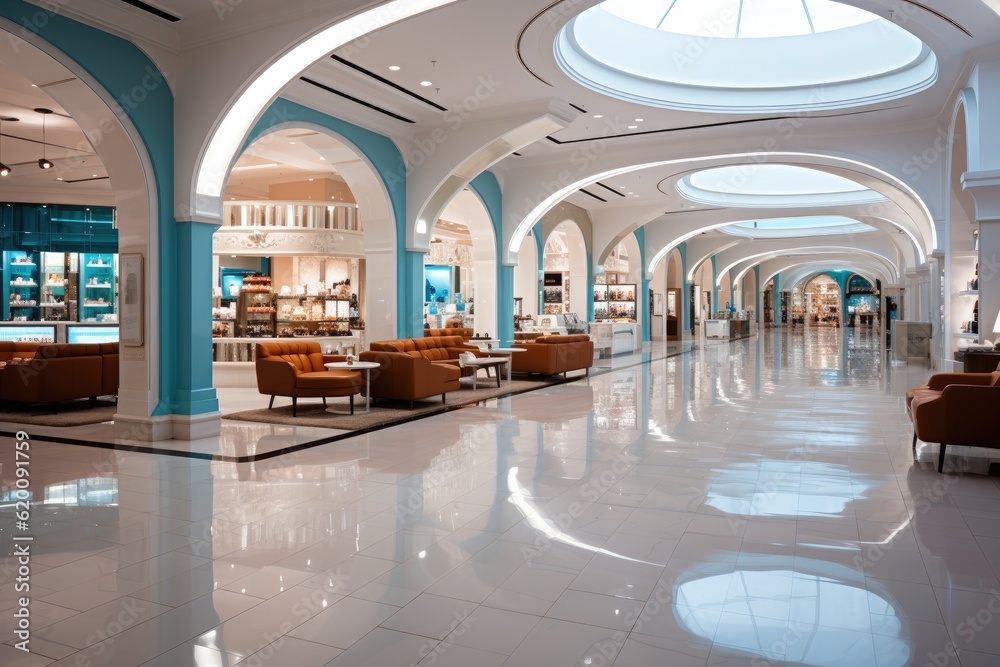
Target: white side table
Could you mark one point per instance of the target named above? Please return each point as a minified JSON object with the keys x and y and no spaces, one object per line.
{"x":486,"y":362}
{"x":366,"y":369}
{"x":508,"y":352}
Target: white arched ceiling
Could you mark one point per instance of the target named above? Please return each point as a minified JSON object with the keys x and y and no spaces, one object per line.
{"x":378,"y":223}
{"x":793,"y":270}
{"x":659,"y":243}
{"x":468,"y":209}
{"x":219,"y":151}
{"x":123,"y":155}
{"x":915,"y":218}
{"x":807,"y":254}
{"x":738,"y":255}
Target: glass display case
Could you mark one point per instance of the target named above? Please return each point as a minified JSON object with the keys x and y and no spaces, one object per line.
{"x":97,"y":287}
{"x":59,"y":302}
{"x":21,"y":284}
{"x":255,"y":308}
{"x":315,"y":315}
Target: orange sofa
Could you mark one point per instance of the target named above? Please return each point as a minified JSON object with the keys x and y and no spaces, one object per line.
{"x":551,"y":355}
{"x":11,"y":349}
{"x":296,"y":369}
{"x":62,"y":372}
{"x":465,"y":333}
{"x":416,"y":368}
{"x":955,"y":409}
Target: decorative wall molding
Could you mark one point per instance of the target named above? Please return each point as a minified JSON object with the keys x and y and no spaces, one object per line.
{"x":256,"y":241}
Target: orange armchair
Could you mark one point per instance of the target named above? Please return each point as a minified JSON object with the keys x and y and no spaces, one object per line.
{"x":297,"y":370}
{"x":956,"y":409}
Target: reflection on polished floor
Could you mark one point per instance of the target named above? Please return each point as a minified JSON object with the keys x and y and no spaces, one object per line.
{"x":747,"y":503}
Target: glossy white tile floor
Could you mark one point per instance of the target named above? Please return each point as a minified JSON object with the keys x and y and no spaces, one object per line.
{"x":751,"y":503}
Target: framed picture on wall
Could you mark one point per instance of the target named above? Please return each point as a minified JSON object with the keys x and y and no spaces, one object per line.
{"x":658,"y":304}
{"x":131,"y":287}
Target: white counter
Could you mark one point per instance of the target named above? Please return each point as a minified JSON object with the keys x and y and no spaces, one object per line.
{"x":615,"y":337}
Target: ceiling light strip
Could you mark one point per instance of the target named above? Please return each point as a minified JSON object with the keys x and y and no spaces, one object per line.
{"x":371,"y":106}
{"x":381,"y":79}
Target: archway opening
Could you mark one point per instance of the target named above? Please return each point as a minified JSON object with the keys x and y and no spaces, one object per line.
{"x":98,"y":199}
{"x":303,"y":252}
{"x":460,"y":269}
{"x":818,"y":303}
{"x":565,"y":269}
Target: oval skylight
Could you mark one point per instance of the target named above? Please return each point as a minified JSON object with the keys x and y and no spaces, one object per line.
{"x":773,"y":185}
{"x":818,"y":225}
{"x":743,"y":55}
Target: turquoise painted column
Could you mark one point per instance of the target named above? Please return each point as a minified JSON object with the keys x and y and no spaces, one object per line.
{"x":640,"y":236}
{"x":732,"y":293}
{"x":715,"y":289}
{"x":192,"y":326}
{"x":410,"y":292}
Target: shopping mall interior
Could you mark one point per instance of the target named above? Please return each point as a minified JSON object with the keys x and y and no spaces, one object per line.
{"x":455,"y":332}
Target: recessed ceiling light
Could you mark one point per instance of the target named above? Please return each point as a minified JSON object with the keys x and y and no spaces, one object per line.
{"x":322,"y":158}
{"x":633,"y":127}
{"x":635,"y":195}
{"x":59,"y":179}
{"x":95,"y":175}
{"x":425,"y":84}
{"x":310,"y":179}
{"x":598,"y":115}
{"x":291,"y":143}
{"x":621,"y":187}
{"x":630,"y":192}
{"x":34,"y":86}
{"x":638,"y":120}
{"x":394,"y":68}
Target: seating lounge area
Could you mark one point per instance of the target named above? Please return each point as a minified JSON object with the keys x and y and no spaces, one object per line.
{"x":409,"y":370}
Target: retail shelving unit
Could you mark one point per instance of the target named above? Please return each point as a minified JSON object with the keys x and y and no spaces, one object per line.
{"x":21,"y":285}
{"x":97,"y":286}
{"x":615,"y":302}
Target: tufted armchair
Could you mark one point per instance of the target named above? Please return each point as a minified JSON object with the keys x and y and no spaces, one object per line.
{"x":296,"y":369}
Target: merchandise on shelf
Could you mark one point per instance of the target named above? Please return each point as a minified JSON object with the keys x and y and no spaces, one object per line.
{"x":615,"y":301}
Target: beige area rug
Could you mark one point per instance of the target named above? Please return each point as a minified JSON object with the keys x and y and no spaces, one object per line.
{"x":72,"y":413}
{"x":312,"y":413}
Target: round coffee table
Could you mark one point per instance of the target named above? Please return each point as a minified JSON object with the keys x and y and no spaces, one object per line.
{"x":366,"y":368}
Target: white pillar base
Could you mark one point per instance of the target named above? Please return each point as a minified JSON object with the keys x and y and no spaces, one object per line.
{"x":196,"y":427}
{"x":143,"y":429}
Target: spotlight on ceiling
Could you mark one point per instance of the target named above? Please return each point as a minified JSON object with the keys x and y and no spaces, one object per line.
{"x":42,"y":161}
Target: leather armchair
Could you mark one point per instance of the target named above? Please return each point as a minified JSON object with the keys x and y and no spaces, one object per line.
{"x":956,"y":409}
{"x":297,"y":370}
{"x":465,"y":333}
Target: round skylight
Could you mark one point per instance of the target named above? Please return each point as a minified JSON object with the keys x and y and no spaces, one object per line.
{"x":743,"y":55}
{"x":773,"y":185}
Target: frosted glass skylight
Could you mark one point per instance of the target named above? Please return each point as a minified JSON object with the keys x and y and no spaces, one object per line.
{"x":736,"y":56}
{"x":743,"y":19}
{"x":773,"y":185}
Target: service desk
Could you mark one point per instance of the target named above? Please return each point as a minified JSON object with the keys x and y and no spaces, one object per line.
{"x":727,"y":329}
